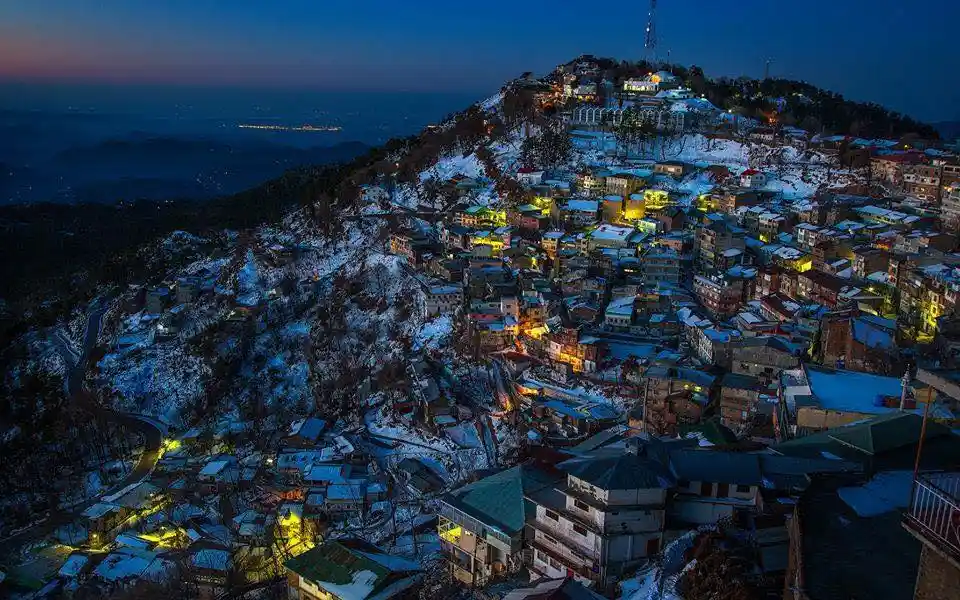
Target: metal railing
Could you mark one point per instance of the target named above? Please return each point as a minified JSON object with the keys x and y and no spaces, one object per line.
{"x":935,"y":510}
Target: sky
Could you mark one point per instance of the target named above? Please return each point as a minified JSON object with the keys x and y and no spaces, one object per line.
{"x":887,"y":51}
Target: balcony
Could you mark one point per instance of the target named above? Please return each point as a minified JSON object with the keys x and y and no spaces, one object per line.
{"x":564,"y":544}
{"x":934,"y":511}
{"x":567,"y":562}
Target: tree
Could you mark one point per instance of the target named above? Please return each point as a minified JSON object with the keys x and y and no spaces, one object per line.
{"x":551,"y":149}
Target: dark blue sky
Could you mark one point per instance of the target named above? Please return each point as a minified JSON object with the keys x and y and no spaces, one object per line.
{"x":901,"y":54}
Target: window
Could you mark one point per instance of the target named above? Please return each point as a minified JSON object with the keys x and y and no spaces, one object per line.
{"x":549,"y":538}
{"x":552,"y":515}
{"x":743,"y":489}
{"x":580,"y":529}
{"x":581,"y":505}
{"x":555,"y":564}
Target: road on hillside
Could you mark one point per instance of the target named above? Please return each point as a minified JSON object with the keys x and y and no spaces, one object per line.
{"x":146,"y":427}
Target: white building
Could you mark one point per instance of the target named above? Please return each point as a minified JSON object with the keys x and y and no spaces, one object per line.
{"x":606,"y":518}
{"x":753,"y":179}
{"x":441,"y":300}
{"x":640,"y":86}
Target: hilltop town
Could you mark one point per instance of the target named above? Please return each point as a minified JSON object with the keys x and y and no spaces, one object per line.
{"x":619,"y":331}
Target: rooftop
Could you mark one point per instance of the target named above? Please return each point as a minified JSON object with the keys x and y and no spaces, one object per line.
{"x":352,"y":569}
{"x":500,"y":499}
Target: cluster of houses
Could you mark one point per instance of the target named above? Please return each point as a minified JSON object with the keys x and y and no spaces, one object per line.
{"x":672,"y":363}
{"x":219,"y":517}
{"x":713,"y":333}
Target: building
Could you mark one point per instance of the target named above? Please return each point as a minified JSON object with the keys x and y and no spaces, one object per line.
{"x":922,"y":181}
{"x":859,"y":342}
{"x":482,"y":524}
{"x":950,"y":207}
{"x":441,"y":300}
{"x":670,"y":398}
{"x":554,"y":589}
{"x":753,"y":179}
{"x":640,"y":86}
{"x":934,"y":495}
{"x":624,"y":184}
{"x":820,"y":287}
{"x":529,"y":177}
{"x":350,"y":569}
{"x":673,"y":168}
{"x":739,"y":396}
{"x":821,"y":398}
{"x":868,"y":260}
{"x":722,"y":296}
{"x":764,"y":357}
{"x":660,"y":266}
{"x":305,"y":433}
{"x":606,"y":517}
{"x":713,"y":240}
{"x":612,"y":236}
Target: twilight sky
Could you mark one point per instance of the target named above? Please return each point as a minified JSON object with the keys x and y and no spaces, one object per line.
{"x":897,"y":53}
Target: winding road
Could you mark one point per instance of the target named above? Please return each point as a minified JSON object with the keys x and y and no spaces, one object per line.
{"x":151,"y":431}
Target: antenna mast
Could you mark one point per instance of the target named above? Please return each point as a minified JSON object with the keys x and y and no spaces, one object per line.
{"x":650,"y":40}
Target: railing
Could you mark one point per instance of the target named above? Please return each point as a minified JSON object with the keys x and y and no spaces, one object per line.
{"x":564,"y":543}
{"x":935,"y":510}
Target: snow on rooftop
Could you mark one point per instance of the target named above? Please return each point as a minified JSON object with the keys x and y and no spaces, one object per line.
{"x":612,"y":233}
{"x":73,"y":566}
{"x":128,"y":563}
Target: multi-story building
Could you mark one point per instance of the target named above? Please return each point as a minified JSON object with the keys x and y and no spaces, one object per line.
{"x":950,"y":207}
{"x":763,"y":357}
{"x":660,"y":266}
{"x":482,"y":524}
{"x":820,"y":287}
{"x":922,"y":181}
{"x":669,"y":397}
{"x":867,"y":260}
{"x":565,"y":346}
{"x":932,"y":517}
{"x":770,"y":225}
{"x":888,"y":168}
{"x":441,"y":300}
{"x":739,"y":395}
{"x":624,"y":184}
{"x":713,"y":240}
{"x":720,"y":295}
{"x":592,"y":182}
{"x":605,"y":518}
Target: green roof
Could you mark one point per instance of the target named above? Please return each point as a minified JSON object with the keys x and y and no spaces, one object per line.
{"x":623,"y":471}
{"x":500,"y":499}
{"x":334,"y":562}
{"x":711,"y":430}
{"x":872,"y":436}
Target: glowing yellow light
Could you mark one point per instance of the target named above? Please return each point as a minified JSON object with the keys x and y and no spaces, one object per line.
{"x":169,"y":446}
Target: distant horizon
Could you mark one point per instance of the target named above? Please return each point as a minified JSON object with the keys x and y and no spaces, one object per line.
{"x":469,"y":95}
{"x":855,"y":48}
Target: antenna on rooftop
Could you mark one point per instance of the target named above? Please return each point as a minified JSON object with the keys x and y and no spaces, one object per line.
{"x":650,"y":40}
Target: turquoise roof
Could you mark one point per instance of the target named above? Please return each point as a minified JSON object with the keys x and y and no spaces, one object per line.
{"x":501,"y":498}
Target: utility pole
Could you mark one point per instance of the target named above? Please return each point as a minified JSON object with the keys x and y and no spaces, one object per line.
{"x":650,"y":39}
